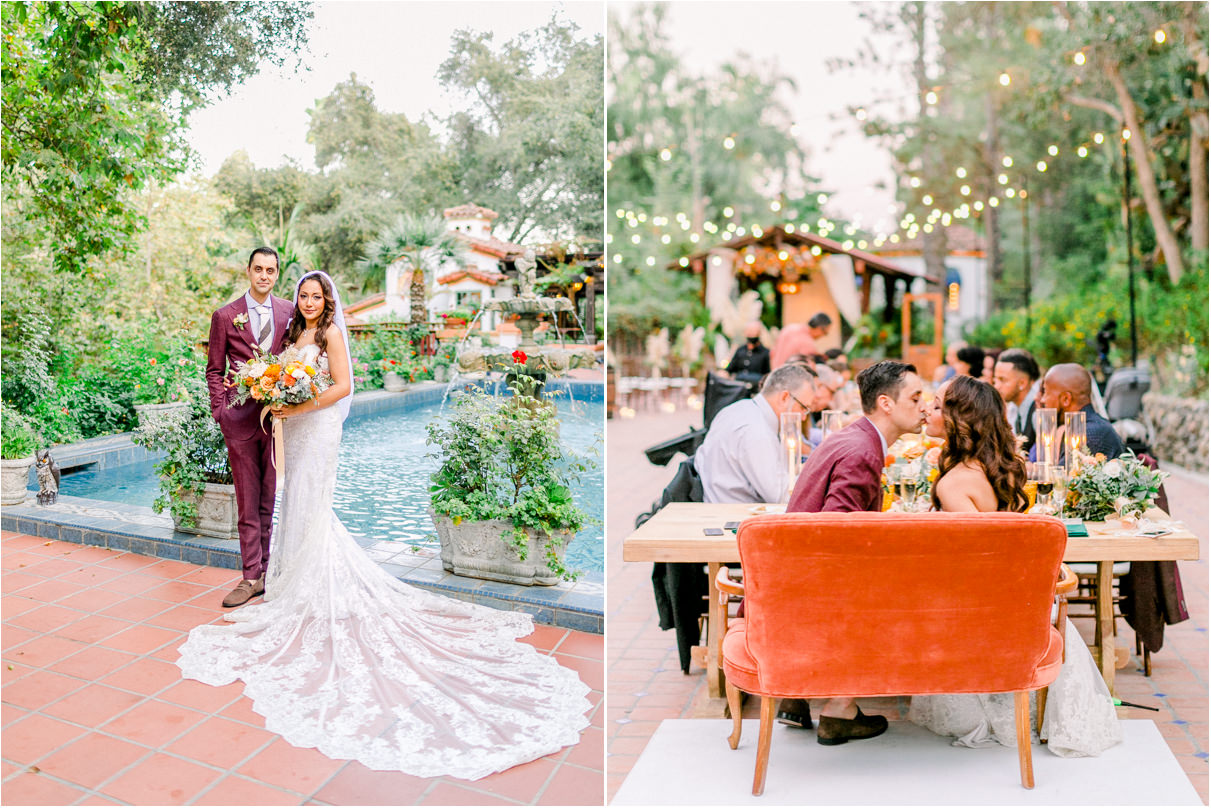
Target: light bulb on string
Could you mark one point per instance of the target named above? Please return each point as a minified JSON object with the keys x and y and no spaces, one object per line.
{"x":1159,"y":36}
{"x":1007,"y":161}
{"x":961,"y":172}
{"x":775,"y":206}
{"x":1041,"y":166}
{"x":1079,"y":58}
{"x":1053,"y":150}
{"x":728,"y":212}
{"x":1004,"y":79}
{"x":931,"y":98}
{"x":993,"y":202}
{"x":620,"y":213}
{"x":1082,"y":152}
{"x":617,"y":258}
{"x":1003,"y":179}
{"x":965,"y":190}
{"x":978,"y":205}
{"x":1098,"y":137}
{"x":635,"y":239}
{"x":666,"y":154}
{"x":821,"y":198}
{"x":1126,"y":134}
{"x":694,"y":238}
{"x":915,"y":182}
{"x":650,"y":261}
{"x":927,"y":199}
{"x":729,"y":143}
{"x":684,"y":262}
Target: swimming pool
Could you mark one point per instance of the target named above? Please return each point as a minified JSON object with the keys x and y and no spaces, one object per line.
{"x":382,"y":488}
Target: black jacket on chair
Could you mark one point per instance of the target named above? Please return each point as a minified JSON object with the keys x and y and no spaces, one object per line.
{"x":680,"y":587}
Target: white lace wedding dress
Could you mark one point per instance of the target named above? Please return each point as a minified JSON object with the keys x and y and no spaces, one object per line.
{"x":1079,"y":719}
{"x":344,"y":658}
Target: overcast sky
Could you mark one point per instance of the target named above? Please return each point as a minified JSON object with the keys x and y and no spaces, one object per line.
{"x":395,"y":47}
{"x":799,"y":37}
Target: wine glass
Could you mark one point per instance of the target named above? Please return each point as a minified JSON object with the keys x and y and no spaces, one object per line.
{"x":908,"y":491}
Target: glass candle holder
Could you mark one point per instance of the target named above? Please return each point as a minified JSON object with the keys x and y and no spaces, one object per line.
{"x":790,"y":432}
{"x":1075,"y":441}
{"x":1046,"y":428}
{"x":830,"y":422}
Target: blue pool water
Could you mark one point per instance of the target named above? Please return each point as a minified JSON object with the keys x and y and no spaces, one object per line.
{"x":382,"y":488}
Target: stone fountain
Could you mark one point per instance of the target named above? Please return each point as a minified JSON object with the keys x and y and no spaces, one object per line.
{"x":528,"y":306}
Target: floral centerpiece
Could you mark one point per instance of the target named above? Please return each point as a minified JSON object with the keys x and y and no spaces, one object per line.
{"x":1100,"y":487}
{"x":909,"y":472}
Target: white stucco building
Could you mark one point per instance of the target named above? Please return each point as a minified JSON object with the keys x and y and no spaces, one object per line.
{"x":966,"y":286}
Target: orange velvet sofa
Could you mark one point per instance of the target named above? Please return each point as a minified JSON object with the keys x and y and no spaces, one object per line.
{"x":881,"y":604}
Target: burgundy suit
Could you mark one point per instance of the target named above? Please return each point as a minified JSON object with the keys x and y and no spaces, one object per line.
{"x":249,"y":446}
{"x":843,"y":473}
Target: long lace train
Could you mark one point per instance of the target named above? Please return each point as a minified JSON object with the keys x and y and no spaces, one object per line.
{"x":344,"y":658}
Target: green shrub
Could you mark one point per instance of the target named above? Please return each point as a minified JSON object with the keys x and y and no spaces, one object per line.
{"x":18,"y":439}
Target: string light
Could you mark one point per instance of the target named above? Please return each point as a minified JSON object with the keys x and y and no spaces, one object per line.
{"x":1040,"y":165}
{"x":1053,"y":150}
{"x":961,"y":172}
{"x":1079,"y":58}
{"x":1007,"y":161}
{"x":684,"y":262}
{"x":1098,"y":137}
{"x":775,"y":206}
{"x":1004,"y":79}
{"x":1082,"y":152}
{"x":931,"y":98}
{"x":1126,"y":134}
{"x":1159,"y":36}
{"x":728,"y":212}
{"x":729,"y":143}
{"x":927,"y":199}
{"x":666,"y":154}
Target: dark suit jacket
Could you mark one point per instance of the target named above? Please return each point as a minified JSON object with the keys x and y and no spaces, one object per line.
{"x":1099,"y":436}
{"x":230,"y":345}
{"x":1028,"y":429}
{"x":749,"y":365}
{"x":843,"y":474}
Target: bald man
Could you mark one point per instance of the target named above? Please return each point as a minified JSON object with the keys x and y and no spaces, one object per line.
{"x":1069,"y":388}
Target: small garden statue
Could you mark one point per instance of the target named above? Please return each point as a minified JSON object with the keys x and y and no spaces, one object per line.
{"x":48,"y":477}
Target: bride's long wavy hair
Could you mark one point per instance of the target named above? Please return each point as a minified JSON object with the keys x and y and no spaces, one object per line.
{"x":298,"y":323}
{"x":973,"y":414}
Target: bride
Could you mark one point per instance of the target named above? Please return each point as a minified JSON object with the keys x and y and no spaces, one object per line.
{"x":343,"y":657}
{"x":980,"y":470}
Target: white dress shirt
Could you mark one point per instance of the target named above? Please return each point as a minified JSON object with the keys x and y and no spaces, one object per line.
{"x":254,"y":317}
{"x":741,"y":458}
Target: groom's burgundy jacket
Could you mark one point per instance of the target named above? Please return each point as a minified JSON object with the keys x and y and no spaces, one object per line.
{"x":843,"y":474}
{"x":229,"y":345}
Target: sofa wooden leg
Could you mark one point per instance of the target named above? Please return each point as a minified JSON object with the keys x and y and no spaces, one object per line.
{"x":769,"y":707}
{"x":735,"y":708}
{"x":1041,"y":700}
{"x":1021,"y":713}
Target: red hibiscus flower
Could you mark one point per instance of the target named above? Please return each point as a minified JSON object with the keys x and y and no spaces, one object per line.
{"x":519,"y":357}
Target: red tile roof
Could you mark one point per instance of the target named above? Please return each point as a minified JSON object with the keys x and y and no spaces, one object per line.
{"x":470,"y":211}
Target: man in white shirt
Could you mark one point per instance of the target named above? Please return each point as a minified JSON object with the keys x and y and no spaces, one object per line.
{"x":741,"y":459}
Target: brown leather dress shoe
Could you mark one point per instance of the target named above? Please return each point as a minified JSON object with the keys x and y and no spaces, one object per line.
{"x":836,"y":731}
{"x":243,"y":592}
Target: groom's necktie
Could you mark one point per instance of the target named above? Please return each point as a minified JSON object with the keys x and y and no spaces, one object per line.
{"x":266,"y":317}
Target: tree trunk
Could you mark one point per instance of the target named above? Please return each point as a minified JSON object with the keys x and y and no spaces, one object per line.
{"x":1165,"y":237}
{"x":933,"y":244}
{"x":992,"y":222}
{"x":416,"y":295}
{"x":1198,"y":127}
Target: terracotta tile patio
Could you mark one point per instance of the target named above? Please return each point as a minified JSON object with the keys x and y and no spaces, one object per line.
{"x":646,"y":684}
{"x":95,"y":711}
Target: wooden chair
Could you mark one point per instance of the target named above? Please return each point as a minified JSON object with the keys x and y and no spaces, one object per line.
{"x":867,"y":604}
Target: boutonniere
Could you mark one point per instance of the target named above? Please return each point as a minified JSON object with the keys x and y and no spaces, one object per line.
{"x":240,"y":321}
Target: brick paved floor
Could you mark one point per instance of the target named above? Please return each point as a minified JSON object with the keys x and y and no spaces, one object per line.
{"x":95,"y":711}
{"x":646,"y":686}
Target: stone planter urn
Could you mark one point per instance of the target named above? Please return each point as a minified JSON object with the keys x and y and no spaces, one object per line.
{"x":150,"y":413}
{"x":441,"y":373}
{"x":477,"y":550}
{"x":217,"y":515}
{"x":394,"y":383}
{"x":14,"y":480}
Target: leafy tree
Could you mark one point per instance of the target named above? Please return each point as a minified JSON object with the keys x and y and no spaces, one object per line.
{"x":529,"y":145}
{"x":374,"y":165}
{"x":708,"y":151}
{"x":423,"y":243}
{"x":197,"y":49}
{"x":262,"y":198}
{"x":296,"y":255}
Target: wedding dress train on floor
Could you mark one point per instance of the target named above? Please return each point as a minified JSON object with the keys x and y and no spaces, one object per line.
{"x":344,"y":658}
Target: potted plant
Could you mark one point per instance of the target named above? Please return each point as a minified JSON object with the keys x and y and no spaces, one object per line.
{"x":442,"y":361}
{"x":18,"y":442}
{"x":195,"y":477}
{"x":163,"y":388}
{"x":501,"y":498}
{"x":394,"y":375}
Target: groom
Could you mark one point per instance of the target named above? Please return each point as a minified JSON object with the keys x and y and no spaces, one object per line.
{"x":256,"y":319}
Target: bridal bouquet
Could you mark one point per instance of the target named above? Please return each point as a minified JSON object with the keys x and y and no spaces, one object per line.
{"x":1122,"y":485}
{"x":284,"y":378}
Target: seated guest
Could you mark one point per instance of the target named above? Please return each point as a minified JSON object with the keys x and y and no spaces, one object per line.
{"x":740,"y":459}
{"x":751,"y":360}
{"x":845,"y":475}
{"x":838,"y":361}
{"x":797,"y":338}
{"x":1016,"y":378}
{"x":990,"y":361}
{"x":970,"y":361}
{"x":950,"y":368}
{"x":1068,"y":388}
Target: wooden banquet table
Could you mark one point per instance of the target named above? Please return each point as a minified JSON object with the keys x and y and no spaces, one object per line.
{"x":675,"y":534}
